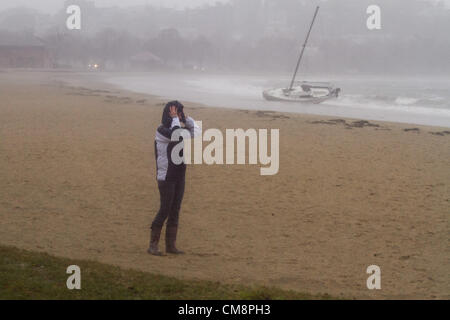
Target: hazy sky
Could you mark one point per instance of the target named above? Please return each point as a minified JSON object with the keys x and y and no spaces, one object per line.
{"x":52,"y":6}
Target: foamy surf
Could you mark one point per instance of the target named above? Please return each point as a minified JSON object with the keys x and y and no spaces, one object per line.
{"x":400,"y":104}
{"x":403,"y":100}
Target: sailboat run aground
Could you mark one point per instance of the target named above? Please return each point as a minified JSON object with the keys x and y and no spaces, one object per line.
{"x":303,"y":91}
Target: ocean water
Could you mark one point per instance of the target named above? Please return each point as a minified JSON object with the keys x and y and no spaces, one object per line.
{"x":414,"y":100}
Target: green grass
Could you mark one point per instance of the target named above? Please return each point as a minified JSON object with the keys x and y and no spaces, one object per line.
{"x":32,"y":275}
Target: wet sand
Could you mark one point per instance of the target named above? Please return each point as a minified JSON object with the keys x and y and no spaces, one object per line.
{"x":77,"y":180}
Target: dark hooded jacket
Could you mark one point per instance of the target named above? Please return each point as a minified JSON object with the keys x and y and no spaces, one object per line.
{"x":166,"y":169}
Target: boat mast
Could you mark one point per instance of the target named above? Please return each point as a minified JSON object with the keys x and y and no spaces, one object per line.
{"x":303,"y":49}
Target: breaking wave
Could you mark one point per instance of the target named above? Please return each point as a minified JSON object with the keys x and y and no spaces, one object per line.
{"x":424,"y":105}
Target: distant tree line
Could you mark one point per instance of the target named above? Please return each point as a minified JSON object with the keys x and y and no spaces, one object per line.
{"x":248,"y":35}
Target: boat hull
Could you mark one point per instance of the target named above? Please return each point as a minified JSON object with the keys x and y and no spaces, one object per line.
{"x":280,"y":95}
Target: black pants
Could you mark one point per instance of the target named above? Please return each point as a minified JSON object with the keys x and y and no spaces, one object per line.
{"x":171,"y":195}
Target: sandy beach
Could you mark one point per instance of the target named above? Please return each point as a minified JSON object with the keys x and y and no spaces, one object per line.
{"x":77,"y":180}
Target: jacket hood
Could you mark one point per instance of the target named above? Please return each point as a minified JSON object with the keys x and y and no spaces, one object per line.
{"x":166,"y":120}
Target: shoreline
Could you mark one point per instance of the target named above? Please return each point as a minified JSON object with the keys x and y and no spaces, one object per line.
{"x":103,"y":83}
{"x":191,"y":88}
{"x":100,"y":81}
{"x":81,"y":184}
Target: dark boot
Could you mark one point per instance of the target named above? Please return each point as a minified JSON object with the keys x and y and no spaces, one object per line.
{"x":171,"y":238}
{"x":154,"y":240}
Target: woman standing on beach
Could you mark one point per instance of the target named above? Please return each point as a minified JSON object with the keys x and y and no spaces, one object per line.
{"x":170,"y":176}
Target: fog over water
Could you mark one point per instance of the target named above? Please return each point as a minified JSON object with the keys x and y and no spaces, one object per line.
{"x":224,"y":53}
